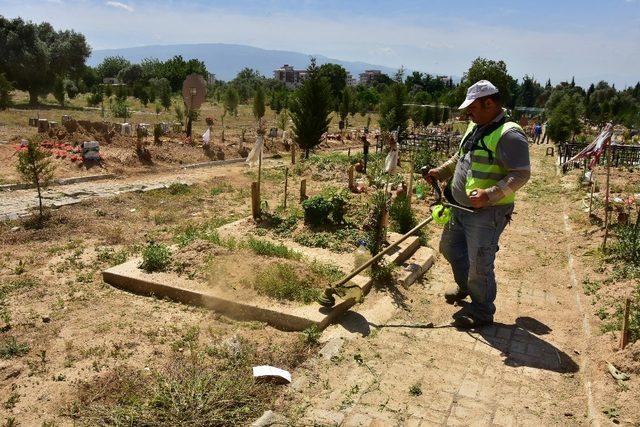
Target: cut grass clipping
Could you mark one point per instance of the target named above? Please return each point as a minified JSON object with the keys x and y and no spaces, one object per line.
{"x":155,"y":257}
{"x":294,"y":282}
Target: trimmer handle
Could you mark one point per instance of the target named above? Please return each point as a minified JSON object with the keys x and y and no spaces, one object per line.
{"x":434,"y":183}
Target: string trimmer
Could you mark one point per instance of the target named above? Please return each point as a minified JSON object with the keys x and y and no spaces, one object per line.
{"x":347,"y":290}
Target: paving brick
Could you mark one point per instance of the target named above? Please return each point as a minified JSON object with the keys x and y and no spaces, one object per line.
{"x":357,"y":420}
{"x":504,"y":333}
{"x":517,"y":347}
{"x":469,"y":388}
{"x":323,"y":417}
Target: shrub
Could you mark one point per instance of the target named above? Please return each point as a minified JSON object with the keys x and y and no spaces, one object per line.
{"x":373,"y":225}
{"x":425,"y":156}
{"x":120,"y":109}
{"x":316,"y":209}
{"x":402,"y":215}
{"x":34,"y":166}
{"x":94,"y":99}
{"x":155,"y":257}
{"x":319,"y":207}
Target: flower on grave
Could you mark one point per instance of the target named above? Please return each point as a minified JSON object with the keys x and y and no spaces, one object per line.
{"x":209,"y":121}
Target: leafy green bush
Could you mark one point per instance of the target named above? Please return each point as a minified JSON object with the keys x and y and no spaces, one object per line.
{"x":425,"y":156}
{"x":373,"y":225}
{"x":319,"y":207}
{"x":316,"y":209}
{"x":402,"y":215}
{"x":120,"y":109}
{"x":155,"y":257}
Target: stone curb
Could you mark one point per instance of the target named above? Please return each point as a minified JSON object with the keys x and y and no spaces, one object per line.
{"x":62,"y":181}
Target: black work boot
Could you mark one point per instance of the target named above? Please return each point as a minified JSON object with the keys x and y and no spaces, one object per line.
{"x":453,"y":296}
{"x":467,"y":321}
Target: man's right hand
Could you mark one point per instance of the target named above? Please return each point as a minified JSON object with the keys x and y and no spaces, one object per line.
{"x":433,"y":173}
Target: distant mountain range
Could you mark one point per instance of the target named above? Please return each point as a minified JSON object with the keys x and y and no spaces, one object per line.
{"x":226,"y":60}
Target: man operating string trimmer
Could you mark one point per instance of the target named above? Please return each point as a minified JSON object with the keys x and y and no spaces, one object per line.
{"x":491,"y":164}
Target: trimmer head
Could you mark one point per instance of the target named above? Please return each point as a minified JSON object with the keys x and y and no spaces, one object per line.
{"x":327,"y":299}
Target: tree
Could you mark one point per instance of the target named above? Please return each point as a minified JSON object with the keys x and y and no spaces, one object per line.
{"x":278,"y":100}
{"x":564,"y":117}
{"x":394,"y":114}
{"x":111,"y":66}
{"x":528,"y":92}
{"x":487,"y":69}
{"x":5,"y":92}
{"x":345,"y":106}
{"x":311,"y":109}
{"x":34,"y":56}
{"x":230,"y":101}
{"x":258,"y":103}
{"x":336,"y":76}
{"x":34,"y":166}
{"x":130,"y":74}
{"x":58,"y":91}
{"x":246,"y":82}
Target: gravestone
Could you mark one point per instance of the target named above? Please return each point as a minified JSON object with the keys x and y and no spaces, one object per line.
{"x":91,"y":151}
{"x":126,"y":129}
{"x":43,"y":125}
{"x":66,"y":118}
{"x":273,"y":132}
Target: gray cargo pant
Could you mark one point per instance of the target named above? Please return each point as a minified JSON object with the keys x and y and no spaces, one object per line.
{"x":470,"y":242}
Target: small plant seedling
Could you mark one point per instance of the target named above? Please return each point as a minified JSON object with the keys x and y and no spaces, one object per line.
{"x":311,"y":335}
{"x":415,"y":389}
{"x":155,"y":257}
{"x":12,"y":348}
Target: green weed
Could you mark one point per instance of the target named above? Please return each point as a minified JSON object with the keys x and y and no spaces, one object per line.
{"x":10,"y":348}
{"x":266,"y":248}
{"x":281,"y":281}
{"x":178,"y":189}
{"x":155,"y":257}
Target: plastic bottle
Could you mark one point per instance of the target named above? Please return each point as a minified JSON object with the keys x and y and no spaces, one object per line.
{"x":419,"y":192}
{"x":361,"y":255}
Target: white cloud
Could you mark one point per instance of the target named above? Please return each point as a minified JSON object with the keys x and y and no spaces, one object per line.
{"x":120,"y":5}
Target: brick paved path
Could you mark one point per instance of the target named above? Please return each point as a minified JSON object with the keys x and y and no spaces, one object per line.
{"x":524,"y":370}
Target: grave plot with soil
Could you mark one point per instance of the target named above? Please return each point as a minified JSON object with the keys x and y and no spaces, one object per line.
{"x":274,"y":268}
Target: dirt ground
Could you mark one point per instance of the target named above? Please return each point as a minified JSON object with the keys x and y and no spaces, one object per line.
{"x":118,"y":151}
{"x":544,"y":362}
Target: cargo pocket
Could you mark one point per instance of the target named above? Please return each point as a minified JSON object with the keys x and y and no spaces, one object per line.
{"x":484,"y":270}
{"x":484,"y":260}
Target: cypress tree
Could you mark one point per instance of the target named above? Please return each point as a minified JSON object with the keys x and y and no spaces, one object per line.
{"x":311,"y":109}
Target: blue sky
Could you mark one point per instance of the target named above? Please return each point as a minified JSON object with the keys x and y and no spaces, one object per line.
{"x":590,"y":40}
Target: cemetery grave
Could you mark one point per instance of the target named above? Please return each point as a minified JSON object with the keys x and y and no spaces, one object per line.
{"x":274,"y":268}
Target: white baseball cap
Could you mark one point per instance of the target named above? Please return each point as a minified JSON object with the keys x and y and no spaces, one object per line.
{"x":478,"y":90}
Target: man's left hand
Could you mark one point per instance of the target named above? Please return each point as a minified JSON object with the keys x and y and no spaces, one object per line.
{"x":479,"y":198}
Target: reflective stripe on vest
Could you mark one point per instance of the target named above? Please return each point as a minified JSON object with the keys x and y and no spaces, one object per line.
{"x":485,"y":171}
